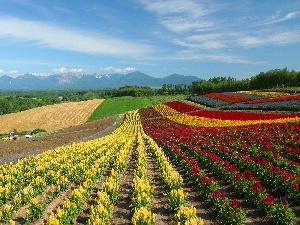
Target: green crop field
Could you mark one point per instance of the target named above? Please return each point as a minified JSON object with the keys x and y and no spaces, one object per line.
{"x":118,"y":105}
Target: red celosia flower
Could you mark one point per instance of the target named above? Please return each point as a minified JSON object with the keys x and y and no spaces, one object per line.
{"x":237,"y":177}
{"x":269,"y":200}
{"x":276,"y":169}
{"x":285,"y":201}
{"x":218,"y":194}
{"x":287,"y":176}
{"x":195,"y":170}
{"x":257,"y":186}
{"x":249,"y":174}
{"x":235,"y":203}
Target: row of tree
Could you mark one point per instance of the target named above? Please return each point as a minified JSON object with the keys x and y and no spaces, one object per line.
{"x":265,"y":80}
{"x":19,"y":101}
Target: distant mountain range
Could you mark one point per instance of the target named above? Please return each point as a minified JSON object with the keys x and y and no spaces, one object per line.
{"x":72,"y":81}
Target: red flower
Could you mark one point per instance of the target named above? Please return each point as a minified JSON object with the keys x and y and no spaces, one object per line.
{"x":195,"y":170}
{"x":249,"y":174}
{"x":293,"y":163}
{"x":235,"y":203}
{"x":269,"y":200}
{"x":237,"y":177}
{"x":276,"y":169}
{"x":285,"y":201}
{"x":207,"y":180}
{"x":218,"y":194}
{"x":287,"y":176}
{"x":257,"y":186}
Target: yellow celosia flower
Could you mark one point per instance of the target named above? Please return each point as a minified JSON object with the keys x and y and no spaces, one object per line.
{"x":194,"y":221}
{"x":143,"y":216}
{"x":52,"y":220}
{"x":196,"y":121}
{"x":12,"y":222}
{"x":35,"y":201}
{"x":59,"y":213}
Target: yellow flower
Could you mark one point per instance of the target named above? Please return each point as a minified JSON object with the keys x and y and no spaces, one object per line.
{"x":11,"y":222}
{"x":52,"y":220}
{"x":59,"y":213}
{"x":96,"y":221}
{"x":7,"y":208}
{"x":195,"y":221}
{"x":35,"y":201}
{"x":27,"y":212}
{"x":144,"y":216}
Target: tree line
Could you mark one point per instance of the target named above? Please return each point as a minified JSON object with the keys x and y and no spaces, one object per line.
{"x":16,"y":101}
{"x":277,"y":78}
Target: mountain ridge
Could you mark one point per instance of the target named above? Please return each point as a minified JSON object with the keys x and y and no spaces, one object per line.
{"x":72,"y":81}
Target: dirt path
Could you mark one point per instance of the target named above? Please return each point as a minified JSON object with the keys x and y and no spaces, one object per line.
{"x":122,"y":212}
{"x":160,"y":198}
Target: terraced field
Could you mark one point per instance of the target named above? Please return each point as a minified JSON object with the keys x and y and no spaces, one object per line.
{"x":170,"y":163}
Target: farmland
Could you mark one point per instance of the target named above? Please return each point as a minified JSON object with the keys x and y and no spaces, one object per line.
{"x":172,"y":162}
{"x":50,"y":118}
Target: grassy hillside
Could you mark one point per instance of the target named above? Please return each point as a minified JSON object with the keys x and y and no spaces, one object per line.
{"x":118,"y":105}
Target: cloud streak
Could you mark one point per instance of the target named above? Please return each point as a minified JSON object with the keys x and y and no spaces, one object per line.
{"x":119,"y":70}
{"x":65,"y":70}
{"x":179,"y":16}
{"x":52,"y":36}
{"x":12,"y":72}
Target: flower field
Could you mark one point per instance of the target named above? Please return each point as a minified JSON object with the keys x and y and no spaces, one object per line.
{"x":250,"y":100}
{"x":172,"y":163}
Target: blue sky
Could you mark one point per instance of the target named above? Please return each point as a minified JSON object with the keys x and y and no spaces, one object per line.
{"x":158,"y":37}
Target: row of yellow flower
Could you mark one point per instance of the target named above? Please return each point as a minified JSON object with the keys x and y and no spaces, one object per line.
{"x":51,"y":165}
{"x":178,"y":200}
{"x":101,"y":211}
{"x":142,"y":192}
{"x":196,"y":121}
{"x":55,"y":169}
{"x":58,"y":180}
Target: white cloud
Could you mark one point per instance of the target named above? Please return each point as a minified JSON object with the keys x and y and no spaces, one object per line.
{"x":65,"y":70}
{"x":119,"y":70}
{"x":49,"y":35}
{"x":77,"y":70}
{"x":179,"y":16}
{"x":278,"y":18}
{"x":269,"y":38}
{"x":12,"y":72}
{"x":60,"y":70}
{"x":292,"y":15}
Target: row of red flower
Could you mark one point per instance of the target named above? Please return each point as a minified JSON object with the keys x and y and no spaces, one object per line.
{"x":228,"y":210}
{"x":172,"y":134}
{"x":226,"y":115}
{"x":235,"y":98}
{"x":228,"y":97}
